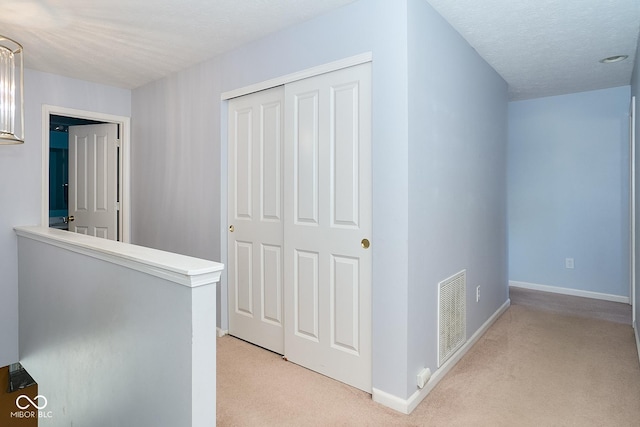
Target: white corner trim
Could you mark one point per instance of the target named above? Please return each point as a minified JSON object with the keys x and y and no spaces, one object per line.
{"x":221,"y":332}
{"x":637,"y":334}
{"x":299,"y":75}
{"x":180,"y":269}
{"x":568,"y":291}
{"x":406,"y":406}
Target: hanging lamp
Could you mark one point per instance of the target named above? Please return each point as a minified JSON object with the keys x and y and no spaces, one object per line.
{"x":11,"y":92}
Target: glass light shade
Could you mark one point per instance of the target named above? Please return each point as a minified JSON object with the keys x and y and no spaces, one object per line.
{"x":11,"y":92}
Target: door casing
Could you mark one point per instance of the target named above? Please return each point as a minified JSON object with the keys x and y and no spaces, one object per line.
{"x":124,"y":160}
{"x":632,"y":207}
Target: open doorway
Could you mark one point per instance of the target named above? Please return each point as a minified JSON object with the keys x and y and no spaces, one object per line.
{"x":65,"y":170}
{"x":59,"y":168}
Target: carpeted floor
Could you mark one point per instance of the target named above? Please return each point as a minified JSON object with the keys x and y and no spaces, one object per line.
{"x":536,"y":366}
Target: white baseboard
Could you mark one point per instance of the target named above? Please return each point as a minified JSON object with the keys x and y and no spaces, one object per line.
{"x":568,"y":291}
{"x":390,"y":401}
{"x":221,"y":332}
{"x":406,"y":406}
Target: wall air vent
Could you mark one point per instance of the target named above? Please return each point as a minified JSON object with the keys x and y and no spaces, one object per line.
{"x":452,"y":315}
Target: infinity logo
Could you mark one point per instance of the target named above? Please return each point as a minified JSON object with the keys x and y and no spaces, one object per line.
{"x":34,"y":404}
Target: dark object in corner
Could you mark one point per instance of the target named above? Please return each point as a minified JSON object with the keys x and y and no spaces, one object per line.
{"x":19,"y":378}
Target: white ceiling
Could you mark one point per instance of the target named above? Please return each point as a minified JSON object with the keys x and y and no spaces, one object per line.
{"x":549,"y":47}
{"x":540,"y":47}
{"x":128,"y":43}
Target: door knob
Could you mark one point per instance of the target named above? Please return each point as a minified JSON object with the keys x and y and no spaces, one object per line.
{"x":365,"y":243}
{"x":71,"y":218}
{"x":231,"y":228}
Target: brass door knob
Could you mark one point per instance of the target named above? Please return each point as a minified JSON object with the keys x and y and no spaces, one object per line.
{"x":231,"y":228}
{"x":365,"y":243}
{"x":72,"y":218}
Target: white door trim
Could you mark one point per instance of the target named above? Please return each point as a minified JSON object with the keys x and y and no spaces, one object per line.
{"x":309,"y":72}
{"x":632,"y":205}
{"x":125,"y":166}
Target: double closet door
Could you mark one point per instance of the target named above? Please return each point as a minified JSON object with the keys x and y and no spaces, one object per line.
{"x":300,"y":220}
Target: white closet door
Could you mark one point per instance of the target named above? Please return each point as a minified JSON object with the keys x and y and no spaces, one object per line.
{"x":327,"y":224}
{"x":255,"y":253}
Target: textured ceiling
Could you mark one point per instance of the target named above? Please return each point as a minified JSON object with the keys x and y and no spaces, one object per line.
{"x":540,"y":47}
{"x":549,"y":47}
{"x":128,"y":43}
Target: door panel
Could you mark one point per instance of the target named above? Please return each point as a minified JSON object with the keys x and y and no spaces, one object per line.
{"x":271,"y":162}
{"x":328,"y":173}
{"x":306,"y":128}
{"x":93,"y":180}
{"x":345,"y":319}
{"x":272,"y":284}
{"x":306,"y":303}
{"x":255,"y":217}
{"x":243,"y":163}
{"x":344,"y":164}
{"x":244,"y":278}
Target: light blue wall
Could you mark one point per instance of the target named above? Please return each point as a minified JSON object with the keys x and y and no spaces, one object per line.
{"x":568,"y":191}
{"x":96,"y":331}
{"x":179,"y":163}
{"x":179,"y":156}
{"x":457,"y":187}
{"x":21,"y":177}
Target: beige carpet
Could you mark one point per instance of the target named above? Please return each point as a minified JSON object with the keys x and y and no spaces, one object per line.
{"x":534,"y":367}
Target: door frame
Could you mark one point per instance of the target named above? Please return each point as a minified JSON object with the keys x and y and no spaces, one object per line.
{"x":632,"y":207}
{"x":124,"y":174}
{"x":347,"y":62}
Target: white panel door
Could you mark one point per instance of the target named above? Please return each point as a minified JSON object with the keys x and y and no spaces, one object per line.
{"x":255,"y":251}
{"x":327,"y":224}
{"x":93,"y":180}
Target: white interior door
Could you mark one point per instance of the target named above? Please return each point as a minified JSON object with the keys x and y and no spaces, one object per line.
{"x":327,"y":224}
{"x":255,"y":251}
{"x":93,"y":180}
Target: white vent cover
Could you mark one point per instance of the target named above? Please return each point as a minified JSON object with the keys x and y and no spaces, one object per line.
{"x":452,"y":315}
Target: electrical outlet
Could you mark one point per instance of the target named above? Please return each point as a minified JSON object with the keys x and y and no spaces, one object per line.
{"x":478,"y":293}
{"x":568,"y":262}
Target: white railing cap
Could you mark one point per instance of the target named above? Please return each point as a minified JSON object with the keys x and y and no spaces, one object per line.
{"x":181,"y":269}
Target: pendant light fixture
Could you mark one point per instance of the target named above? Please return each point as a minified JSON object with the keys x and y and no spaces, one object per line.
{"x":11,"y":92}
